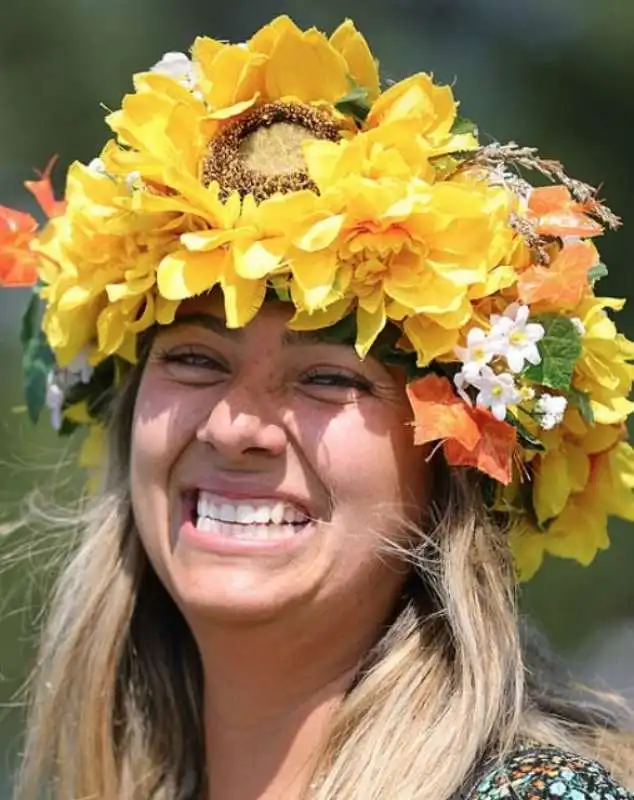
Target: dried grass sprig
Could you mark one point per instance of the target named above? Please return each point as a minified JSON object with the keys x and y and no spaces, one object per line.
{"x":495,"y":156}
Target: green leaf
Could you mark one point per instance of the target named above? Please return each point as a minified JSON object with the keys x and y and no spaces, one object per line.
{"x":525,"y":436}
{"x":581,"y":401}
{"x":355,"y":103}
{"x":464,"y":125}
{"x":30,"y":320}
{"x":559,"y":349}
{"x":597,"y":272}
{"x":37,"y":362}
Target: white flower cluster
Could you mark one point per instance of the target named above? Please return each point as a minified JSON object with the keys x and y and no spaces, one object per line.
{"x":59,"y":381}
{"x":181,"y":68}
{"x":177,"y":66}
{"x":550,"y":410}
{"x":511,"y":337}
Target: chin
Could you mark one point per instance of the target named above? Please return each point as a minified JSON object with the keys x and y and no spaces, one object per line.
{"x":234,"y":593}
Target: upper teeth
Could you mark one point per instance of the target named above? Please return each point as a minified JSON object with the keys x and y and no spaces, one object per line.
{"x":251,"y":512}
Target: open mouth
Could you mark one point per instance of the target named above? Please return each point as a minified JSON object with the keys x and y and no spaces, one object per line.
{"x":255,"y":519}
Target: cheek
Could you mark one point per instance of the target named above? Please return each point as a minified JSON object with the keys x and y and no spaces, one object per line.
{"x":371,"y":465}
{"x":161,"y":428}
{"x":164,"y":421}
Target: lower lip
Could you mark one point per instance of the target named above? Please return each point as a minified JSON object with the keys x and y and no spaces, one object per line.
{"x":213,"y":542}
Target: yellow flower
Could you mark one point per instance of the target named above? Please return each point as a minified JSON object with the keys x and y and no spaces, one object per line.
{"x":604,"y":371}
{"x":433,"y":108}
{"x":401,"y":246}
{"x":162,"y":121}
{"x":585,"y":476}
{"x":361,"y":65}
{"x":283,"y":62}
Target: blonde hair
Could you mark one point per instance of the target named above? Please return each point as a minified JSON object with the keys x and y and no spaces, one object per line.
{"x":116,"y":703}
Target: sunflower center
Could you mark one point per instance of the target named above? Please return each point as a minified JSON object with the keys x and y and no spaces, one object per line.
{"x":261,"y":153}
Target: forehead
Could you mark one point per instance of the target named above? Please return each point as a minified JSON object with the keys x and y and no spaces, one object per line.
{"x":270,"y":323}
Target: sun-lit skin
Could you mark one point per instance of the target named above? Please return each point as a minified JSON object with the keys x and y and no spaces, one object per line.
{"x":263,"y":413}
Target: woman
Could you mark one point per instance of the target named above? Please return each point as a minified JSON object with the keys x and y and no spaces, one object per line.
{"x":338,"y":351}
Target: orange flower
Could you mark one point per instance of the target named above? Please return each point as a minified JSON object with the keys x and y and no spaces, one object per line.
{"x":564,"y":282}
{"x":18,"y":263}
{"x":470,"y":436}
{"x":555,"y":213}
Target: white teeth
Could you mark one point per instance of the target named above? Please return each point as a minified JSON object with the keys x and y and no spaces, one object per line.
{"x":227,"y":513}
{"x":204,"y":523}
{"x":277,"y":513}
{"x":230,"y":530}
{"x":262,"y":515}
{"x":255,"y":514}
{"x":244,"y":514}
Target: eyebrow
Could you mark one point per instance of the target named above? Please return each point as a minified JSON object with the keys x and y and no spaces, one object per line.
{"x":218,"y":326}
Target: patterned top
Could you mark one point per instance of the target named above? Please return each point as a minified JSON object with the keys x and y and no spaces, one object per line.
{"x":546,"y":772}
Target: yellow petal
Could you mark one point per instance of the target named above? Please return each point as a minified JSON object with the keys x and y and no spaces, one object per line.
{"x":110,"y":330}
{"x":315,"y":275}
{"x":263,"y":41}
{"x":320,"y":234}
{"x":306,"y":67}
{"x":243,"y":299}
{"x":578,"y":533}
{"x":552,"y":486}
{"x":362,"y":67}
{"x":235,"y":109}
{"x":429,"y":339}
{"x":257,"y":259}
{"x":369,"y":326}
{"x":527,"y":545}
{"x":183,"y":274}
{"x":236,"y":75}
{"x":322,"y":318}
{"x":322,"y":159}
{"x":74,"y":297}
{"x":165,"y":310}
{"x":204,"y":241}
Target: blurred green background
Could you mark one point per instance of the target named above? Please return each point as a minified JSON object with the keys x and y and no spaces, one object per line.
{"x":556,"y":74}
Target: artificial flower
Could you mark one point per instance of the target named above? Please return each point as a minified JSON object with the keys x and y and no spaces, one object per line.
{"x":516,"y":338}
{"x":550,"y":410}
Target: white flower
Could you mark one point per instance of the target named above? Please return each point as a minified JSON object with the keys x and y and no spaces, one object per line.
{"x":80,"y":368}
{"x":579,"y":326}
{"x":177,"y":66}
{"x":550,"y":409}
{"x":516,"y":338}
{"x":54,"y":400}
{"x":97,"y":167}
{"x":132,"y":178}
{"x":479,"y":351}
{"x":460,"y":381}
{"x":496,"y":392}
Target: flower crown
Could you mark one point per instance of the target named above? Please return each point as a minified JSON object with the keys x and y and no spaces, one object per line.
{"x":281,"y":168}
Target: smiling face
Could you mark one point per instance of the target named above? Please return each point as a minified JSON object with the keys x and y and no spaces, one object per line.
{"x":267,"y":466}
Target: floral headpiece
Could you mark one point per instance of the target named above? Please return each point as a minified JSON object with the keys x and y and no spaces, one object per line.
{"x":280,"y":167}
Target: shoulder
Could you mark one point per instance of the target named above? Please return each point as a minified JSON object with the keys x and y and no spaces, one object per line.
{"x":547,"y":772}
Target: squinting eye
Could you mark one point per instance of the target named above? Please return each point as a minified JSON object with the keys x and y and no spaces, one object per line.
{"x":190,"y":362}
{"x":342,"y":380}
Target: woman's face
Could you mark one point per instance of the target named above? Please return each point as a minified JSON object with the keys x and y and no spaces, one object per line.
{"x":268,"y":466}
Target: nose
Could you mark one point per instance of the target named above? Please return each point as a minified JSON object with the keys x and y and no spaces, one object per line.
{"x":245,"y":421}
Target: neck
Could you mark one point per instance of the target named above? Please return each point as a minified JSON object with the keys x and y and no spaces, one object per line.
{"x":270,"y":694}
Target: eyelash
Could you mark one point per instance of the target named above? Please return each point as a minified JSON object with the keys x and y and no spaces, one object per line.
{"x":190,"y":359}
{"x":332,"y":379}
{"x":341,"y":380}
